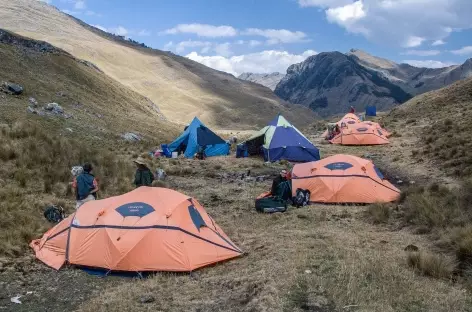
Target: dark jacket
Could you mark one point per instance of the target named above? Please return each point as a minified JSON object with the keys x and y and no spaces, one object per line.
{"x":275,"y":184}
{"x":143,"y":177}
{"x":85,"y":184}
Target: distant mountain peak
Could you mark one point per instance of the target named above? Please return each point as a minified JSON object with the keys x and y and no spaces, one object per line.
{"x":269,"y":80}
{"x":372,"y":61}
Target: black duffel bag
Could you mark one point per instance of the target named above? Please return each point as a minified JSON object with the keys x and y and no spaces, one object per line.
{"x":271,"y":204}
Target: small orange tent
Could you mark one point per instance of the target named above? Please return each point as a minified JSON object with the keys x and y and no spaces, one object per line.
{"x":148,"y":229}
{"x":360,"y":133}
{"x":343,"y":179}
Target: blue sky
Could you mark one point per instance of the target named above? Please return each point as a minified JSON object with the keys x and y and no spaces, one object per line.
{"x":269,"y":35}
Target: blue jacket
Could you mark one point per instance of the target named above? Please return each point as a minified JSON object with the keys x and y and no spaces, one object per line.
{"x":84,"y":185}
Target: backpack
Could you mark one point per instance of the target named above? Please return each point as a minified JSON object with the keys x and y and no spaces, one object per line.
{"x":54,"y":214}
{"x":301,"y":198}
{"x":271,"y":204}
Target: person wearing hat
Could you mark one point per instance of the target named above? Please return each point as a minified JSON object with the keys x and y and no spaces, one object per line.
{"x":143,"y":176}
{"x":85,"y":185}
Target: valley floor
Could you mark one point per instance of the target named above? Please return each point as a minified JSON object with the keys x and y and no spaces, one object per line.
{"x":317,"y":258}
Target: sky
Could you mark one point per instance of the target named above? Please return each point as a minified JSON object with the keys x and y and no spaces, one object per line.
{"x":263,"y":36}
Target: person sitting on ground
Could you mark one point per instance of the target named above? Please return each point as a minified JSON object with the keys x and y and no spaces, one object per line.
{"x":85,"y":185}
{"x":143,"y":176}
{"x":281,"y":178}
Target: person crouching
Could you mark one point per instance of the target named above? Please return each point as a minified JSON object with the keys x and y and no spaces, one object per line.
{"x":143,"y":176}
{"x":85,"y":185}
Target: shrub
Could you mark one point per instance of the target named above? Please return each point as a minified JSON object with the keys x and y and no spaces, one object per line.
{"x":379,"y":213}
{"x":433,"y":265}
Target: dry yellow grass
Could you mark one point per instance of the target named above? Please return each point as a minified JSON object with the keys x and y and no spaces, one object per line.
{"x":181,"y":88}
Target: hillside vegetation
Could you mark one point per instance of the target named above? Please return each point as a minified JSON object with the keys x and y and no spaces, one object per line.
{"x":97,"y":107}
{"x":179,"y":87}
{"x":440,"y":120}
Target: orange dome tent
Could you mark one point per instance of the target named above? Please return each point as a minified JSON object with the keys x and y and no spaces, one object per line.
{"x":343,"y":179}
{"x":148,"y":229}
{"x":361,"y":133}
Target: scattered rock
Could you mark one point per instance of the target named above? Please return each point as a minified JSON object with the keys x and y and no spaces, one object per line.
{"x":31,"y":110}
{"x":383,"y":242}
{"x":69,"y":129}
{"x":300,"y":216}
{"x":411,"y":248}
{"x":32,"y":102}
{"x":308,"y":272}
{"x":147,"y":299}
{"x":131,"y":137}
{"x":399,"y":182}
{"x":61,"y":94}
{"x":412,"y":182}
{"x":12,"y":88}
{"x":55,"y":108}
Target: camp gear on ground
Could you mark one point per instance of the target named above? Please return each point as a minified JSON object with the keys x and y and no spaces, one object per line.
{"x":54,"y":214}
{"x":165,"y":151}
{"x":84,"y":183}
{"x":281,"y":140}
{"x":343,"y":179}
{"x":242,"y":151}
{"x":270,"y":204}
{"x":147,"y":229}
{"x":371,"y":110}
{"x":160,"y":174}
{"x":352,"y":110}
{"x":301,"y":198}
{"x":143,"y":177}
{"x":276,"y":182}
{"x":198,"y":135}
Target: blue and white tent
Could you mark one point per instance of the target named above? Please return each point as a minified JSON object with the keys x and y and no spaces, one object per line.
{"x":197,"y":136}
{"x":281,"y":140}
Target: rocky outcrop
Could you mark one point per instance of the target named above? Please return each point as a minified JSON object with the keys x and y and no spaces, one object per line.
{"x":268,"y":80}
{"x":329,"y":83}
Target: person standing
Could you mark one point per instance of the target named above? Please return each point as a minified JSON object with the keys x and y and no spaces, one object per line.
{"x":85,"y":185}
{"x":143,"y":175}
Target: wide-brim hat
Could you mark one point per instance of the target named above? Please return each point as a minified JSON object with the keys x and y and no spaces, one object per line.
{"x":140,"y":161}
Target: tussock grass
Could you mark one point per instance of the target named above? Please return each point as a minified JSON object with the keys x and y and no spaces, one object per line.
{"x":433,"y":265}
{"x":379,"y":213}
{"x":39,"y":175}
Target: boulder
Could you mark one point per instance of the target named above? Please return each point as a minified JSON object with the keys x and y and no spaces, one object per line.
{"x":54,"y":108}
{"x":131,"y":137}
{"x":13,"y":88}
{"x":33,"y":102}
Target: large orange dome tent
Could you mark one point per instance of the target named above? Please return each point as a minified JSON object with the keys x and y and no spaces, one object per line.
{"x":148,"y":229}
{"x":343,"y":179}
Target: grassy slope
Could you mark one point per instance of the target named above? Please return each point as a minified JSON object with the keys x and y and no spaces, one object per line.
{"x":180,"y":87}
{"x":439,"y":122}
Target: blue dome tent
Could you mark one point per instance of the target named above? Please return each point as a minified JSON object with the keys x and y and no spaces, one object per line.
{"x":281,"y":140}
{"x":197,"y":136}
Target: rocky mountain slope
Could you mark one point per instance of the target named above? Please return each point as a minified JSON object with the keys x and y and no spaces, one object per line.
{"x":179,"y":87}
{"x":269,"y":80}
{"x":89,"y":104}
{"x":329,"y":83}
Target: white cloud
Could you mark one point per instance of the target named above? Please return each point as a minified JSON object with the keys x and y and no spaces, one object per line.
{"x":261,"y":62}
{"x":429,"y":63}
{"x":254,"y":43}
{"x":463,"y":51}
{"x":323,"y":3}
{"x":100,"y":27}
{"x":203,"y":30}
{"x":407,"y":23}
{"x":168,"y":46}
{"x":46,"y":1}
{"x":275,"y":36}
{"x":80,"y":5}
{"x":120,"y":31}
{"x":438,"y":42}
{"x":223,"y":49}
{"x":144,"y":33}
{"x":422,"y":52}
